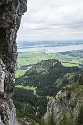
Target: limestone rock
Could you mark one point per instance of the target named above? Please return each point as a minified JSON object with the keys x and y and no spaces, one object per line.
{"x":64,"y":108}
{"x":11,"y":12}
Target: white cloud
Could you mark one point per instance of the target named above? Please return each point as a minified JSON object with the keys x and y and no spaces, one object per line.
{"x":52,"y":19}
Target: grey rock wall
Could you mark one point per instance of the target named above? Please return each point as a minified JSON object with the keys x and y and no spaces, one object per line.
{"x":64,"y":108}
{"x":11,"y":12}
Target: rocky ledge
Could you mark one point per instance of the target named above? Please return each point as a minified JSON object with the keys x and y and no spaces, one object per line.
{"x":11,"y":12}
{"x":66,"y":108}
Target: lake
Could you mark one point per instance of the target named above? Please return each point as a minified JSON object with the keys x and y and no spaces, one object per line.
{"x":54,"y":49}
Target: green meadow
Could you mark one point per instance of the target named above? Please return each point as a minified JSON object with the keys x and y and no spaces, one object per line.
{"x":27,"y":87}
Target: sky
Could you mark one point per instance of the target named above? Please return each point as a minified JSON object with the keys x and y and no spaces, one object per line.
{"x":52,"y":20}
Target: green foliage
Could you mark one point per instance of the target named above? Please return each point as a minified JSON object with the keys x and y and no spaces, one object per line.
{"x":81,"y":79}
{"x":29,"y":105}
{"x":79,"y":119}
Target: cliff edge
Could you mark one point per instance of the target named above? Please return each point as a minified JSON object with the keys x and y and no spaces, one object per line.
{"x":11,"y":12}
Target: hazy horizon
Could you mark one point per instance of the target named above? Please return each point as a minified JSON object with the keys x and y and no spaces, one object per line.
{"x":62,"y":40}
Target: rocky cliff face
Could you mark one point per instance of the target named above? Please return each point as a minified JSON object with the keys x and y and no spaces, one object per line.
{"x":64,"y":109}
{"x":11,"y":12}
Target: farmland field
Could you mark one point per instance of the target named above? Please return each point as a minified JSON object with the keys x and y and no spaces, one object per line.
{"x":27,"y":59}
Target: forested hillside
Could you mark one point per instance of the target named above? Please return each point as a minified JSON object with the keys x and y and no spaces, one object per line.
{"x":49,"y":76}
{"x":38,"y":84}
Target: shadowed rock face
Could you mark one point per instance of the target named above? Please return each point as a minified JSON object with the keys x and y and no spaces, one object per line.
{"x":11,"y":12}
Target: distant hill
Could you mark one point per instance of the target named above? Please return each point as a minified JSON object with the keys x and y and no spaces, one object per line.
{"x":49,"y":76}
{"x":48,"y":43}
